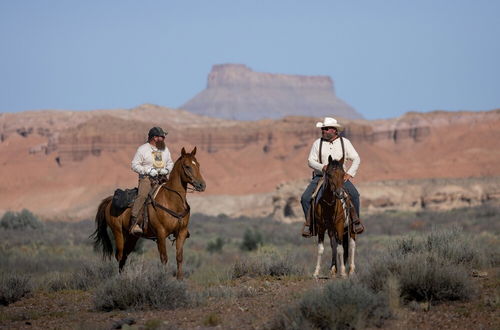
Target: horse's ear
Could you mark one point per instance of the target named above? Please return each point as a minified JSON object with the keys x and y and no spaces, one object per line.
{"x":330,"y":159}
{"x":341,"y":161}
{"x":193,"y":152}
{"x":183,"y":151}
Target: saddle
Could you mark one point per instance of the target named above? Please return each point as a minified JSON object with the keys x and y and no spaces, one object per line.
{"x":123,"y":199}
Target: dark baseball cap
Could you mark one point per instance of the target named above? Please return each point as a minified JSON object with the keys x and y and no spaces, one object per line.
{"x":156,"y":131}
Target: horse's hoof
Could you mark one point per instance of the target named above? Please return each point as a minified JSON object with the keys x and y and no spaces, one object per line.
{"x":333,"y":271}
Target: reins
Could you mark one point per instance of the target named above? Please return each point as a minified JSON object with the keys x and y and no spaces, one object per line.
{"x":179,"y":216}
{"x":187,"y":208}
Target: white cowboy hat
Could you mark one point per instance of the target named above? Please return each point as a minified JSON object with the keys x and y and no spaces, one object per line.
{"x":329,"y":122}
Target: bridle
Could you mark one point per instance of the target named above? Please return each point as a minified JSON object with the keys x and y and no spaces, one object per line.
{"x":187,"y":172}
{"x":337,"y":192}
{"x":187,"y":208}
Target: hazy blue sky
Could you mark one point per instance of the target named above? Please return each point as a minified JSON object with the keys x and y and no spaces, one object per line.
{"x":386,"y":57}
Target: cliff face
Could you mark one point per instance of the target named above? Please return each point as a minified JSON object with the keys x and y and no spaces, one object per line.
{"x":234,"y":91}
{"x":70,"y":160}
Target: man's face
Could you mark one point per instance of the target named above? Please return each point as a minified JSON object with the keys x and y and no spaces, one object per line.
{"x":159,"y":142}
{"x":328,"y":133}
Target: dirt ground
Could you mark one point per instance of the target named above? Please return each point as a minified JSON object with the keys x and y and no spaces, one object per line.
{"x":74,"y":310}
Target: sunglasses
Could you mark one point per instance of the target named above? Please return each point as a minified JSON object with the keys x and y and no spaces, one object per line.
{"x":326,"y":128}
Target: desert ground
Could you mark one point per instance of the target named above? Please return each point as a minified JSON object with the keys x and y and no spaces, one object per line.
{"x":245,"y":273}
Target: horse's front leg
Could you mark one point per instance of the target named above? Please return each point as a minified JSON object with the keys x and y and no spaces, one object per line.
{"x":321,"y":249}
{"x":340,"y":259}
{"x":333,"y":244}
{"x":162,"y":245}
{"x":179,"y":247}
{"x":339,"y":226}
{"x":350,"y":260}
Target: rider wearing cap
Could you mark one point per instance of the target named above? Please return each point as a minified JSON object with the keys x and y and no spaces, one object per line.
{"x":330,"y":145}
{"x":152,"y":158}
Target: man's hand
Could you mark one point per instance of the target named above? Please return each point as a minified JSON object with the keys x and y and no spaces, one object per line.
{"x":347,"y":177}
{"x":153,"y":172}
{"x":324,"y":168}
{"x":163,"y":171}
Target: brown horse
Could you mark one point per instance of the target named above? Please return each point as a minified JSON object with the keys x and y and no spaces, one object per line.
{"x":332,"y":214}
{"x":169,"y":214}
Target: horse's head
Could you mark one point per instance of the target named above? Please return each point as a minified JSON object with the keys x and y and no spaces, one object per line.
{"x":191,"y":170}
{"x":335,"y":173}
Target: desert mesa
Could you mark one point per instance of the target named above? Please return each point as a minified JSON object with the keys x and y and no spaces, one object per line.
{"x":254,"y":131}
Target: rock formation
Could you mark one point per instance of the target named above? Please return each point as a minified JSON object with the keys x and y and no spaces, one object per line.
{"x":236,"y":92}
{"x":61,"y":163}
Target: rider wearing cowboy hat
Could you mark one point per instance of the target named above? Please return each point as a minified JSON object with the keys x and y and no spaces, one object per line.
{"x":152,"y":158}
{"x":330,"y":146}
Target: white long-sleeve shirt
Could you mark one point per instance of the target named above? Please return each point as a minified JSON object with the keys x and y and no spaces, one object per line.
{"x":148,"y":157}
{"x":333,"y":149}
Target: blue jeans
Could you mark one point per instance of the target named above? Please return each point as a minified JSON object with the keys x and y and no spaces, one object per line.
{"x":305,"y":200}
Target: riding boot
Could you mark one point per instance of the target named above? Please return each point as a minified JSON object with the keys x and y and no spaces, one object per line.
{"x":357,"y":226}
{"x":306,"y":229}
{"x":135,"y":229}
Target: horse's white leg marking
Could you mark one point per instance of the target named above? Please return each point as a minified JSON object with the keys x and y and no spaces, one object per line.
{"x":321,"y":248}
{"x":333,"y":270}
{"x":352,"y":249}
{"x":340,"y":260}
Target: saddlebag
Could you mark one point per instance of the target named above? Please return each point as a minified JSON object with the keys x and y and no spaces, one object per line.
{"x":124,"y":198}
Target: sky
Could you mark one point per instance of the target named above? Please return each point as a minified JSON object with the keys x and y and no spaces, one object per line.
{"x":385,"y":57}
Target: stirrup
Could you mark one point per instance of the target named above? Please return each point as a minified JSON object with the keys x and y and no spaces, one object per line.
{"x":306,"y":232}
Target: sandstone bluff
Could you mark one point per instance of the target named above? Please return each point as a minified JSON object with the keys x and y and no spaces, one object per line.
{"x":236,"y":92}
{"x":59,"y":164}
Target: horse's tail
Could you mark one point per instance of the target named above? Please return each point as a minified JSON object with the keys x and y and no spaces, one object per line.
{"x":102,"y":242}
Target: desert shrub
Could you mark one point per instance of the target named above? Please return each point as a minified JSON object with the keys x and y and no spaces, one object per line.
{"x":20,"y":220}
{"x":41,"y":259}
{"x":451,"y":244}
{"x":339,"y":305}
{"x":141,"y":288}
{"x":252,"y":239}
{"x":267,"y":264}
{"x":90,"y":275}
{"x":14,"y":287}
{"x":427,"y":277}
{"x":432,"y":267}
{"x":215,"y":246}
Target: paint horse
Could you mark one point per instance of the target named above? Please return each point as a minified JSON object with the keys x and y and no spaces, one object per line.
{"x":333,"y":215}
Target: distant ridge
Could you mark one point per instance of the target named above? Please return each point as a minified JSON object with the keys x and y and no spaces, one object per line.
{"x":71,"y":160}
{"x":236,"y":92}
